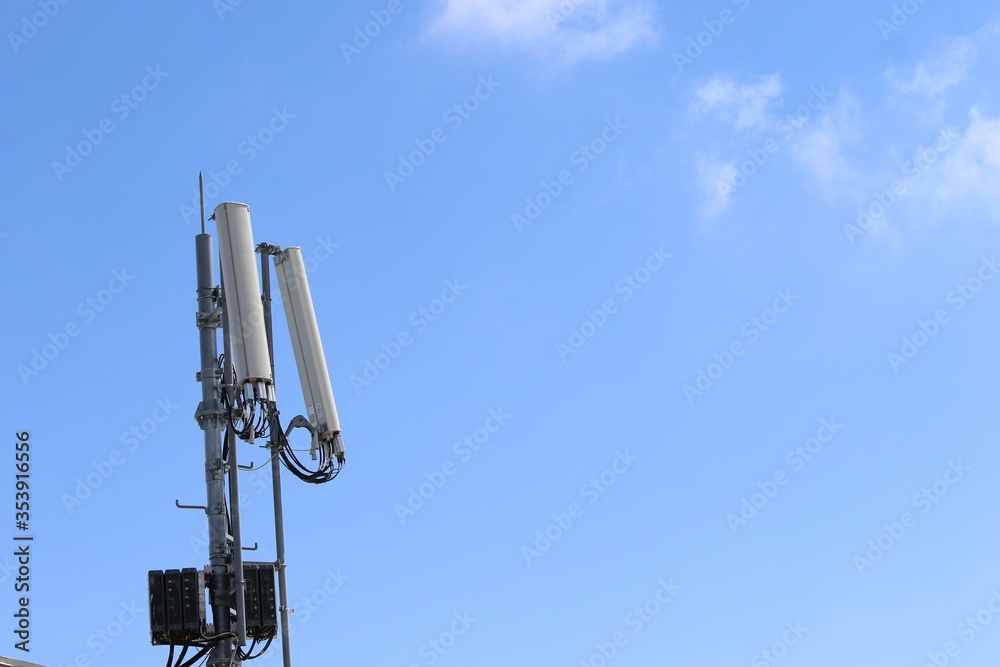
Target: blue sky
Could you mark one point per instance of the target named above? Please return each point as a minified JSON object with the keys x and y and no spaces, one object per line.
{"x":661,"y":333}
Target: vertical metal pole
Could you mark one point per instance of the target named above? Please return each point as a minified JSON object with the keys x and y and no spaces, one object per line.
{"x":212,"y":421}
{"x":234,"y":491}
{"x":279,"y":519}
{"x":279,"y":539}
{"x":201,"y":191}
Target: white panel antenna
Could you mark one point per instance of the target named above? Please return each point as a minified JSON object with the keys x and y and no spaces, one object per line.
{"x":241,"y":287}
{"x":308,"y":348}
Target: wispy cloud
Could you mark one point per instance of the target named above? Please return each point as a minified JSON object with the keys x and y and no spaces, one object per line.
{"x":935,"y":75}
{"x":947,"y":65}
{"x":745,"y":105}
{"x":964,"y":181}
{"x":746,"y":109}
{"x":714,"y":174}
{"x":969,"y":175}
{"x":908,"y":148}
{"x":761,"y":128}
{"x":570,"y":30}
{"x":820,"y":148}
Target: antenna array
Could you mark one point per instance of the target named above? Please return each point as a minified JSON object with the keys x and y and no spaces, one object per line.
{"x":248,"y":601}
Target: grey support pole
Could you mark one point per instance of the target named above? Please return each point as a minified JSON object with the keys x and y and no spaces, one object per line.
{"x":212,"y":421}
{"x":279,"y":540}
{"x":279,"y":519}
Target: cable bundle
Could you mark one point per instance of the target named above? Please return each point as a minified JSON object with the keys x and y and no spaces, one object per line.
{"x":247,"y":414}
{"x":327,"y":468}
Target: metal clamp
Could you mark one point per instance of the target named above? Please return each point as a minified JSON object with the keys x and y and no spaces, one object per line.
{"x":203,"y":413}
{"x":212,"y":319}
{"x":268,"y":249}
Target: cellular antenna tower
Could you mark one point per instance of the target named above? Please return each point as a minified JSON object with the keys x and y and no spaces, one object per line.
{"x":231,"y":610}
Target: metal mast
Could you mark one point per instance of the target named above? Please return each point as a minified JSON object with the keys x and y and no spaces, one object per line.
{"x":212,"y":420}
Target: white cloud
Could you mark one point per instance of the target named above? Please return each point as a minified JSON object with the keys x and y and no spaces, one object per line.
{"x":854,"y":152}
{"x":969,"y":174}
{"x":570,"y":30}
{"x":714,"y":176}
{"x":947,"y":66}
{"x":954,"y":177}
{"x":744,"y":105}
{"x":938,"y":74}
{"x":727,"y":161}
{"x":820,"y":147}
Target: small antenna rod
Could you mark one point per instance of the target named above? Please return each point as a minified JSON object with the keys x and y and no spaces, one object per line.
{"x":201,"y":189}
